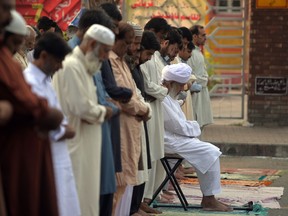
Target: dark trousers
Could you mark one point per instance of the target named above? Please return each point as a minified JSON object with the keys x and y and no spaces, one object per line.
{"x":138,"y":192}
{"x":106,"y":204}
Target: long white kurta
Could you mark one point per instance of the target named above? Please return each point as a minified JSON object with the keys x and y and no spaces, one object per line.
{"x":152,"y":73}
{"x":180,"y":137}
{"x":68,"y":202}
{"x":201,"y":101}
{"x":77,"y":95}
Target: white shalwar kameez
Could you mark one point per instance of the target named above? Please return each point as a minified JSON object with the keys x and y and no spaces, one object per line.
{"x":201,"y":101}
{"x":180,"y":137}
{"x":67,"y":197}
{"x":77,"y":96}
{"x":152,"y":72}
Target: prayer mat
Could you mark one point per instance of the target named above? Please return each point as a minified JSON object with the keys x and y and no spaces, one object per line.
{"x":244,"y":177}
{"x":257,"y":210}
{"x":239,"y":186}
{"x":236,"y":195}
{"x":267,"y":172}
{"x":195,"y":181}
{"x":249,"y":176}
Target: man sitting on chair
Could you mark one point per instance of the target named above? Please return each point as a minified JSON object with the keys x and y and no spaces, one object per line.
{"x":181,"y":138}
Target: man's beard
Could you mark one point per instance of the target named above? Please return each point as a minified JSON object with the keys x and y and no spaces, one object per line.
{"x":93,"y":63}
{"x":173,"y":91}
{"x":132,"y":61}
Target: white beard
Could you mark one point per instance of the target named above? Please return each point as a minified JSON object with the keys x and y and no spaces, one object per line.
{"x":93,"y":63}
{"x":173,"y":92}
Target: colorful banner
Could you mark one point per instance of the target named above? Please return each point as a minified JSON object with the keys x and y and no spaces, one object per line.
{"x":177,"y":12}
{"x":61,"y":11}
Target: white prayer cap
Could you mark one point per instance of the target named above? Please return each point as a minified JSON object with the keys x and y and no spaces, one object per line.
{"x":17,"y":24}
{"x":180,"y":73}
{"x":101,"y":33}
{"x":30,"y":30}
{"x":137,"y":29}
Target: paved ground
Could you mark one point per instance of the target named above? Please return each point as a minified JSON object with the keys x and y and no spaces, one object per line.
{"x":248,"y":141}
{"x":238,"y":137}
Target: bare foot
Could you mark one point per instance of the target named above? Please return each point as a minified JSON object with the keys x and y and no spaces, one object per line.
{"x":142,"y":213}
{"x":167,"y":192}
{"x":210,"y":203}
{"x":144,"y":207}
{"x":224,"y":204}
{"x":162,"y":199}
{"x":180,"y":175}
{"x":168,"y":196}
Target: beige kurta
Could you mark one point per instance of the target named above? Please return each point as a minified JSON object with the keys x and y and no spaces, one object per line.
{"x":77,"y":96}
{"x":201,"y":101}
{"x":152,"y":73}
{"x":130,"y":127}
{"x":22,"y":59}
{"x":143,"y":174}
{"x":187,"y":107}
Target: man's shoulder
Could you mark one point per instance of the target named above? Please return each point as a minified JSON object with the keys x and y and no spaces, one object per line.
{"x":72,"y":57}
{"x":165,"y":100}
{"x":74,"y":41}
{"x":196,"y":52}
{"x":29,"y":77}
{"x":148,"y":64}
{"x":106,"y":66}
{"x":73,"y":61}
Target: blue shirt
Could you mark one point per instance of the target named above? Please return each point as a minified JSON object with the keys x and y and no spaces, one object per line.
{"x":74,"y":41}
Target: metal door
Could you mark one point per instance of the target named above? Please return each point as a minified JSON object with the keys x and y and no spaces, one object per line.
{"x":225,"y":53}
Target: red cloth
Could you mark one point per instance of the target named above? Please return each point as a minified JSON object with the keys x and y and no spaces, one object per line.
{"x":25,"y":157}
{"x":60,"y":11}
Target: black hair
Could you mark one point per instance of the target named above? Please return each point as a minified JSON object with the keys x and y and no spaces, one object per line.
{"x":185,"y":32}
{"x":158,"y":24}
{"x":112,"y":10}
{"x":38,"y":34}
{"x":190,"y":46}
{"x":149,"y":41}
{"x":195,"y":29}
{"x":174,"y":37}
{"x":123,"y":29}
{"x":95,"y":16}
{"x":45,"y":23}
{"x":58,"y":30}
{"x":53,"y":44}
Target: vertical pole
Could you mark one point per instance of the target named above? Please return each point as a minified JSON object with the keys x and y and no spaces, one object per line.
{"x":245,"y":16}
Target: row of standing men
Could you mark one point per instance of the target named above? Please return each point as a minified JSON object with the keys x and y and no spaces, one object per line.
{"x":113,"y":134}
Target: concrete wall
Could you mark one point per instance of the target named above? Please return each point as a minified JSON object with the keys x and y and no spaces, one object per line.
{"x":268,"y":58}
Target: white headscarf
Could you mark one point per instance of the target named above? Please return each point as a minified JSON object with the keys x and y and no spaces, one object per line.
{"x":137,"y":29}
{"x":101,"y":33}
{"x":180,"y":73}
{"x":17,"y":25}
